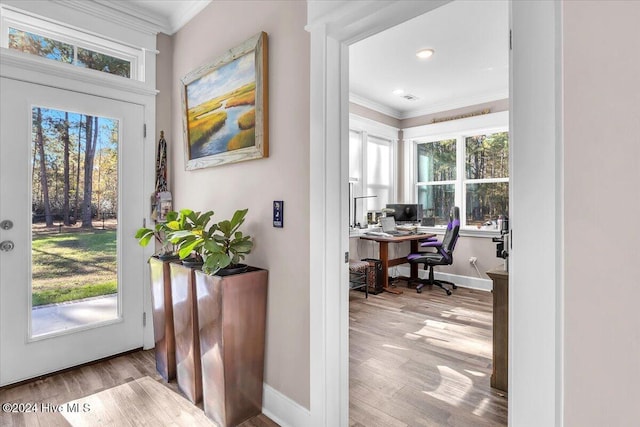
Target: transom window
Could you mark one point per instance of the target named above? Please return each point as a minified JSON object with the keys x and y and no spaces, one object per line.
{"x":56,"y":42}
{"x":466,"y":167}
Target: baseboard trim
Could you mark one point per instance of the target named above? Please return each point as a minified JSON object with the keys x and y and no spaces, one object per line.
{"x":462,"y":281}
{"x":282,"y":409}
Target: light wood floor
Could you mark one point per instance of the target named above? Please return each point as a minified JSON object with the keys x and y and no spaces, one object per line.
{"x":415,"y":360}
{"x":422,"y":360}
{"x":124,"y":391}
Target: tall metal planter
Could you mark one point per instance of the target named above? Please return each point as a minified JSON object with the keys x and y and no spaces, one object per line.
{"x":232,"y":315}
{"x":185,"y":319}
{"x":163,"y":330}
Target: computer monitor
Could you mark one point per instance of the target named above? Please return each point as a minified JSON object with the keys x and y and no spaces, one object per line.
{"x":406,"y":213}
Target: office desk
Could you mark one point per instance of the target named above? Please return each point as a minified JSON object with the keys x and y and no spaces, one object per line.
{"x":383,"y":243}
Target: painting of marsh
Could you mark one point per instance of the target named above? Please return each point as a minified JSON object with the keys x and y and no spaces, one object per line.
{"x":225,"y":107}
{"x":221,"y":108}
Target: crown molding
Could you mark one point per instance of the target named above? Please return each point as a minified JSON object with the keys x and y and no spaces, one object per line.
{"x":431,"y":109}
{"x":376,"y":106}
{"x":455,"y":103}
{"x":180,"y":18}
{"x":133,"y":16}
{"x":117,"y":12}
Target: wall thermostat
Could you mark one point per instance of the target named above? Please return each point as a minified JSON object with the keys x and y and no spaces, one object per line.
{"x":278,"y":213}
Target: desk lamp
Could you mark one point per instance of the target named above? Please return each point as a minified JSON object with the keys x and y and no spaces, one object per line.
{"x":355,"y":208}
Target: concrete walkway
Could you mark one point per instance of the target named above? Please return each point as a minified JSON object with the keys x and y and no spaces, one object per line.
{"x":58,"y":317}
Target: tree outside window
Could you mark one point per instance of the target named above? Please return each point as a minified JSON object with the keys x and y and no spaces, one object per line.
{"x":480,"y":182}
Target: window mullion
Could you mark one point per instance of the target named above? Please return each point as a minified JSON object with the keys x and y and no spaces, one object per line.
{"x":460,"y":197}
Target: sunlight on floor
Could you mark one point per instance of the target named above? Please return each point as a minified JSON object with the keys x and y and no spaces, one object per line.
{"x":394,"y":347}
{"x":475,"y":373}
{"x":453,"y":386}
{"x":482,"y":407}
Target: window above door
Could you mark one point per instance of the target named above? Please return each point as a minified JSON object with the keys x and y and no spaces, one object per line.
{"x":45,"y":39}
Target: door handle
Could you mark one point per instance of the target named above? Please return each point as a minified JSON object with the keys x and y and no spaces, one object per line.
{"x":6,"y":246}
{"x":6,"y":224}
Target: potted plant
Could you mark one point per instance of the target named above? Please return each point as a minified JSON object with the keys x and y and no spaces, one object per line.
{"x":231,"y":305}
{"x":226,"y":246}
{"x":161,"y":297}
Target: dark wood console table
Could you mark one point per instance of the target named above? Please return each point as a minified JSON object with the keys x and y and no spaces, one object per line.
{"x":499,"y":377}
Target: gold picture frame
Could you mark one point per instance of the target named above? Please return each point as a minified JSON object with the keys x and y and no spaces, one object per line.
{"x":225,"y":107}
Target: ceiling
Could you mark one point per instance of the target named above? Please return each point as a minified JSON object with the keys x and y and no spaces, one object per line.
{"x":166,"y":15}
{"x":470,"y":64}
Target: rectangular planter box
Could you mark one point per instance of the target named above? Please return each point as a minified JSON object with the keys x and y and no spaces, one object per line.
{"x":163,"y":332}
{"x":185,"y":322}
{"x":232,"y":313}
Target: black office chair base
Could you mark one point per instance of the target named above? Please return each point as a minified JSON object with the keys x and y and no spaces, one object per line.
{"x":439,"y":283}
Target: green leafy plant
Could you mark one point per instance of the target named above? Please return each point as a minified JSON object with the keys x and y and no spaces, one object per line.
{"x":226,"y":246}
{"x":188,"y":231}
{"x":159,"y":233}
{"x":221,"y":245}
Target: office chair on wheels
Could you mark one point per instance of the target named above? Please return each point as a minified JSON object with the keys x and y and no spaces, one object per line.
{"x":442,"y":256}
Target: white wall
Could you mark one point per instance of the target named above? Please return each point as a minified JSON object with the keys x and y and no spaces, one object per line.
{"x":602,"y":208}
{"x":256,"y":184}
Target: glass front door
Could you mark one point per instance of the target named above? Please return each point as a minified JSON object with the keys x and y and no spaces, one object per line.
{"x":71,"y":279}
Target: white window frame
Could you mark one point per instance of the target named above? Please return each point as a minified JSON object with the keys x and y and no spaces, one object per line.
{"x":367,"y":127}
{"x":458,"y":130}
{"x":78,"y":39}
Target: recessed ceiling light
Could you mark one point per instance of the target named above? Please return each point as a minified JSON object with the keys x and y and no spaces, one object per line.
{"x":398,"y":91}
{"x":425,"y":53}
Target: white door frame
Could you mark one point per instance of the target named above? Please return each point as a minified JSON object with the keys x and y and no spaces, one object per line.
{"x":535,"y":336}
{"x":18,"y":66}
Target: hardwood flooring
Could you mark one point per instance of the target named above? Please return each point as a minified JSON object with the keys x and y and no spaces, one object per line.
{"x":422,"y":360}
{"x":124,"y":391}
{"x":415,"y":360}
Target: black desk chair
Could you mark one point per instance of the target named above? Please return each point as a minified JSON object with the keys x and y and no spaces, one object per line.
{"x":442,"y":256}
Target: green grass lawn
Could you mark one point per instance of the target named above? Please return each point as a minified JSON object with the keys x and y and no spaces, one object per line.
{"x":71,"y":266}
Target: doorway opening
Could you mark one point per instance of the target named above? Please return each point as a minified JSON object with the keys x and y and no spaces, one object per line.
{"x":430,"y":351}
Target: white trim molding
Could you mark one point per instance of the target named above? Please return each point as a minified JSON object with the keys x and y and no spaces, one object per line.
{"x":363,"y":124}
{"x":375,"y":106}
{"x":460,"y":281}
{"x":431,"y":109}
{"x":283,"y":410}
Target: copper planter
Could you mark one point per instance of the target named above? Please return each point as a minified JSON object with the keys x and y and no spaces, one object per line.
{"x":163,"y":332}
{"x":232,"y":314}
{"x":185,"y":320}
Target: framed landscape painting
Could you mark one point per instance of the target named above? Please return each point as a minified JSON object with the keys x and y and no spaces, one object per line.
{"x":225,"y":104}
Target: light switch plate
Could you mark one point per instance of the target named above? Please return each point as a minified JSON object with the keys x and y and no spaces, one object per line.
{"x":278,"y":213}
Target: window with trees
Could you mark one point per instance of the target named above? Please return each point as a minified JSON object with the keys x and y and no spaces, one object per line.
{"x":69,"y":46}
{"x":466,"y":167}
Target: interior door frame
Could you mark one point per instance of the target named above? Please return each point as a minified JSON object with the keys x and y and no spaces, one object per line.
{"x":536,"y":299}
{"x":31,"y":69}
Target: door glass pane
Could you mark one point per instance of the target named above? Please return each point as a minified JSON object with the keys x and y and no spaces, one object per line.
{"x":74,"y":203}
